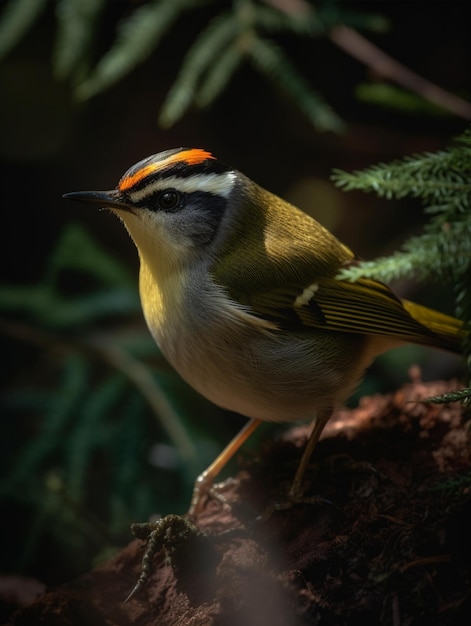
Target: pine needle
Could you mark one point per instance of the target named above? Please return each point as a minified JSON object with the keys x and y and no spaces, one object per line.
{"x":138,"y":36}
{"x":442,"y":181}
{"x":207,"y":47}
{"x":75,"y":30}
{"x":275,"y":65}
{"x":17,"y":18}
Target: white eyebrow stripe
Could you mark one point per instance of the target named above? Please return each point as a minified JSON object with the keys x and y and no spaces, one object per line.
{"x":217,"y":184}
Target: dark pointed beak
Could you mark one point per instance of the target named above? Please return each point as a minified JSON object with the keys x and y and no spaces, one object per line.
{"x":112,"y":199}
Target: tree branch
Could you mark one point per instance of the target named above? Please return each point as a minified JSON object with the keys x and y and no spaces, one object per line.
{"x":385,"y":66}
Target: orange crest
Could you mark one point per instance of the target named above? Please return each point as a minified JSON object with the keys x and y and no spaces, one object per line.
{"x":190,"y":157}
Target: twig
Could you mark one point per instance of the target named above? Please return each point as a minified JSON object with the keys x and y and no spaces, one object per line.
{"x":291,"y":7}
{"x":139,"y":374}
{"x":133,"y":369}
{"x":384,"y":65}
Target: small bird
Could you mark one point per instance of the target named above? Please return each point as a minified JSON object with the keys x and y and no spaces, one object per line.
{"x":240,"y":291}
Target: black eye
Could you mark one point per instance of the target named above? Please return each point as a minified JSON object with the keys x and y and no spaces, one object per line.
{"x":168,"y":199}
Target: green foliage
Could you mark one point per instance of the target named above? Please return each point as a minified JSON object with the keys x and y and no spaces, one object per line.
{"x":17,"y":18}
{"x":271,"y":60}
{"x":138,"y":36}
{"x":462,"y":395}
{"x":208,"y":46}
{"x":389,"y":96}
{"x":442,"y":181}
{"x":84,"y":405}
{"x":51,"y":307}
{"x":74,"y":34}
{"x":234,"y":36}
{"x":458,"y":484}
{"x":243,"y":30}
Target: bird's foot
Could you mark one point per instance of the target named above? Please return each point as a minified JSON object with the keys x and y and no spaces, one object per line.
{"x":292,"y":500}
{"x":205,"y":490}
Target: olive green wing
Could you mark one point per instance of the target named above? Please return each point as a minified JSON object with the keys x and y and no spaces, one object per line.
{"x":281,"y":266}
{"x":366,"y":306}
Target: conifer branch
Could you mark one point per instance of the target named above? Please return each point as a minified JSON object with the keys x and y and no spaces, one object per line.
{"x":138,"y":36}
{"x":207,"y":66}
{"x":461,"y":395}
{"x":442,"y":181}
{"x":17,"y":18}
{"x":219,"y":75}
{"x":272,"y":61}
{"x":74,"y":35}
{"x":208,"y":46}
{"x":387,"y":67}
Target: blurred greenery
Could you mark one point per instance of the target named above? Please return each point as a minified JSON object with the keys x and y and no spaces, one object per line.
{"x":237,"y":31}
{"x":392,"y":97}
{"x":90,"y":427}
{"x":97,"y":431}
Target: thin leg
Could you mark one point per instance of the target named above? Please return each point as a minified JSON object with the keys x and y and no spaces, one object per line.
{"x":296,"y":490}
{"x":205,"y":481}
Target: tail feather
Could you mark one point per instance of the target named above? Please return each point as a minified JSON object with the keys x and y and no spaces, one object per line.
{"x":447,"y":332}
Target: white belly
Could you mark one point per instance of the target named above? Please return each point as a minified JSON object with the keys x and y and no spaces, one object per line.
{"x":266,"y":374}
{"x":242,"y":363}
